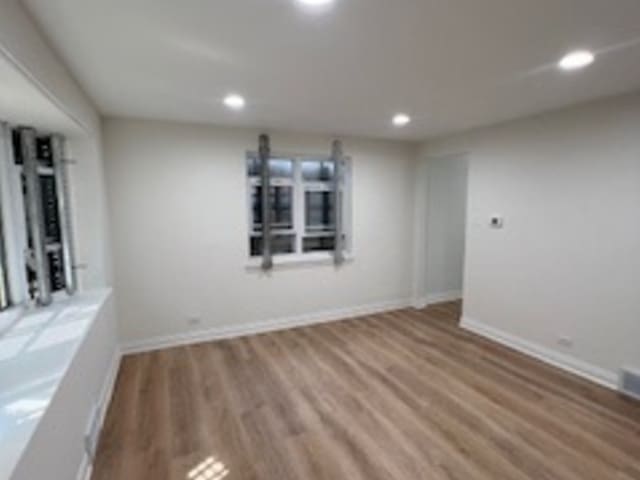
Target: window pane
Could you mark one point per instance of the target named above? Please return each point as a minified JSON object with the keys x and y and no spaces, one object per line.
{"x":56,"y":270}
{"x":319,"y":214}
{"x":44,"y":151}
{"x":318,"y":244}
{"x":253,"y":166}
{"x":280,"y":244}
{"x":50,"y":208}
{"x":281,"y":168}
{"x":317,"y":170}
{"x":278,"y":167}
{"x":281,"y":208}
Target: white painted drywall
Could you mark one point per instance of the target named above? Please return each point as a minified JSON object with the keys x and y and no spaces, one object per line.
{"x":446,"y":223}
{"x":178,"y":203}
{"x":567,"y":262}
{"x":89,"y":211}
{"x":22,"y":44}
{"x":56,"y":449}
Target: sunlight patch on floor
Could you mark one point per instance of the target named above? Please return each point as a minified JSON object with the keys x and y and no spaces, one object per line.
{"x":209,"y":469}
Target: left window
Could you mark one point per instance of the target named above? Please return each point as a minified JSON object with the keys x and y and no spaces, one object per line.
{"x":36,"y":246}
{"x":281,"y":195}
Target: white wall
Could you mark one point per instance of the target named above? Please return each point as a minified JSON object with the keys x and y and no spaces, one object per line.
{"x":177,"y":197}
{"x":22,"y":43}
{"x":567,"y":262}
{"x":56,"y":448}
{"x":89,"y":210}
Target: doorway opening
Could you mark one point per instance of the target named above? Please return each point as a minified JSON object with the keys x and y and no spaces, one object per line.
{"x":447,"y":185}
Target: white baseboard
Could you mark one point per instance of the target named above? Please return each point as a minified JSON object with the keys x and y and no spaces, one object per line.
{"x":432,"y":298}
{"x":449,"y":296}
{"x":85,"y":470}
{"x":109,"y":384}
{"x":106,"y":392}
{"x":563,"y":361}
{"x":234,"y":331}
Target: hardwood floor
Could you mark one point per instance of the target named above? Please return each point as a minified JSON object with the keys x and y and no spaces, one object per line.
{"x":401,"y":395}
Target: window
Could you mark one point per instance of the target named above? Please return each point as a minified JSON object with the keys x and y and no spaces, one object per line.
{"x":303,"y":215}
{"x":4,"y":287}
{"x":36,"y":255}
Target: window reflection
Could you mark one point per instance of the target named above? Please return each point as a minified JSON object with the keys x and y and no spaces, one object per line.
{"x":278,"y":167}
{"x":317,"y":170}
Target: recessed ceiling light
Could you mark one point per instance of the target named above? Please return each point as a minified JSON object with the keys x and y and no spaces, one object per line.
{"x":235,"y":102}
{"x":315,"y":3}
{"x":576,"y":60}
{"x":401,"y":119}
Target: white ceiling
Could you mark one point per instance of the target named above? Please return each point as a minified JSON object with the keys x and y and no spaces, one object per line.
{"x":450,"y":64}
{"x":22,"y":103}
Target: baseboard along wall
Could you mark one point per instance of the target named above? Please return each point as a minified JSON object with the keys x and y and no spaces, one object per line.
{"x":106,"y":393}
{"x":234,"y":331}
{"x":568,"y":363}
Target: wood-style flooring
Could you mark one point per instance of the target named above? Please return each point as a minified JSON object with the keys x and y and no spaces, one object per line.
{"x":403,"y":395}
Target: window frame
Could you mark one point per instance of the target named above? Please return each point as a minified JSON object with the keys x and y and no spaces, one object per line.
{"x":14,"y":231}
{"x":299,"y":186}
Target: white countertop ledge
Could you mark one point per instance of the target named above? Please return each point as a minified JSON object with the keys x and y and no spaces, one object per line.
{"x":35,"y":354}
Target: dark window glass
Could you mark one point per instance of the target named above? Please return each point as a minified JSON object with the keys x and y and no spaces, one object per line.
{"x":318,"y":244}
{"x":278,"y":167}
{"x":319,"y":214}
{"x":253,"y":166}
{"x":50,"y":208}
{"x":317,"y":170}
{"x":17,"y":147}
{"x":56,"y":270}
{"x":280,"y":244}
{"x":281,"y":208}
{"x":44,"y":151}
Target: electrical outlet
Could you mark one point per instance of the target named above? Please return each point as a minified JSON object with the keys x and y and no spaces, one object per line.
{"x":194,"y":321}
{"x":565,"y":342}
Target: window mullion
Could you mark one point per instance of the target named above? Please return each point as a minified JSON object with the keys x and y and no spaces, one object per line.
{"x":298,"y":205}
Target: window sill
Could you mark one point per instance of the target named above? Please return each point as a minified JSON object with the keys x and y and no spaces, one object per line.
{"x":35,"y":354}
{"x":9,"y":318}
{"x":284,"y":262}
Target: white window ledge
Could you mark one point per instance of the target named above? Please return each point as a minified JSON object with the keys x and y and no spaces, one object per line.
{"x":281,"y":262}
{"x":36,"y":351}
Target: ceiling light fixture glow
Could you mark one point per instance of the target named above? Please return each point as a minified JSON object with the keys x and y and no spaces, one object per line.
{"x":401,"y":119}
{"x":315,"y":3}
{"x":576,"y":60}
{"x":235,"y":102}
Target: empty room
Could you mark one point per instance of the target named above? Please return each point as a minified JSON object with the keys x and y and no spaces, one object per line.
{"x":320,"y":240}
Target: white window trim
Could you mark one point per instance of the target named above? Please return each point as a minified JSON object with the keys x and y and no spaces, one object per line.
{"x":13,"y":232}
{"x":13,"y":219}
{"x":299,"y":258}
{"x":294,"y":260}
